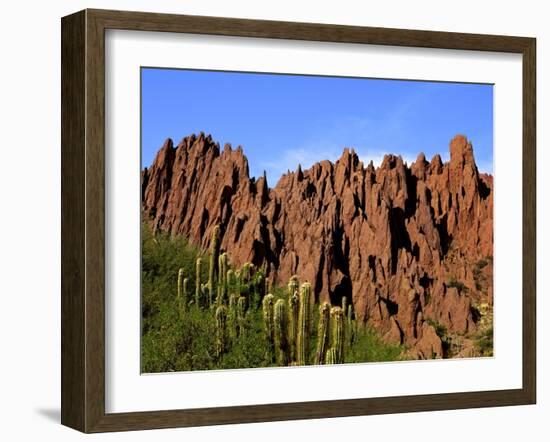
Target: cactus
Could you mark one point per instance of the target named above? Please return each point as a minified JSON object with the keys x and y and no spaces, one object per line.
{"x":258,"y":286}
{"x":304,"y":324}
{"x":241,"y":312}
{"x":230,"y":280}
{"x":246,"y":272}
{"x":214,"y":253}
{"x":330,"y":357}
{"x":182,"y":301}
{"x":281,"y":327}
{"x":293,"y":285}
{"x":293,"y":308}
{"x":198,"y":282}
{"x":338,"y":335}
{"x":221,"y":330}
{"x":185,"y":299}
{"x":322,"y":333}
{"x":269,"y":324}
{"x":222,"y":279}
{"x":238,"y":282}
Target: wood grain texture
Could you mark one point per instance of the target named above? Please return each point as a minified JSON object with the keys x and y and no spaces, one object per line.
{"x":83,"y":220}
{"x":529,"y":221}
{"x":73,"y":253}
{"x":95,"y":222}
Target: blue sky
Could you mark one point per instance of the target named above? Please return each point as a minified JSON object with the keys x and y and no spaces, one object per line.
{"x":283,"y":120}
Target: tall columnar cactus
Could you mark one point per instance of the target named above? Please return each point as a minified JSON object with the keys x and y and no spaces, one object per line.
{"x":185,"y":300}
{"x":258,"y":286}
{"x":181,"y":301}
{"x":322,"y":333}
{"x":293,"y":309}
{"x":246,"y":272}
{"x":230,"y":281}
{"x":198,"y":282}
{"x":338,"y":334}
{"x":222,"y":278}
{"x":214,"y":253}
{"x":281,"y":328}
{"x":304,"y":324}
{"x":221,"y":330}
{"x":241,"y":313}
{"x":238,"y":282}
{"x":269,"y":324}
{"x":293,"y":285}
{"x":330,"y":358}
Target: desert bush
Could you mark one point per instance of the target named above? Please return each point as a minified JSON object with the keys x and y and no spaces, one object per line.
{"x":459,"y":285}
{"x":484,"y":342}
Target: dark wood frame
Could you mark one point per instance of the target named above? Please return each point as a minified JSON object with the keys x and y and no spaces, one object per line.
{"x":83,"y":216}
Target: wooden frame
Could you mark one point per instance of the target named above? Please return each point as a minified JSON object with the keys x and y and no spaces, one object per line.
{"x":83,"y":215}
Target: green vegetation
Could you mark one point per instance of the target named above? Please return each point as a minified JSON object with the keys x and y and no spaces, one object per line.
{"x":446,"y":338}
{"x":484,"y":342}
{"x":481,"y":263}
{"x":440,"y":329}
{"x":459,"y":285}
{"x":479,"y":277}
{"x":231,"y":321}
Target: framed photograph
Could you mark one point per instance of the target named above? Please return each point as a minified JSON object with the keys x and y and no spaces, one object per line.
{"x":267,"y":220}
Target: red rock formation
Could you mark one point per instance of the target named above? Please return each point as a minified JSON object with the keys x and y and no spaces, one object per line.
{"x":401,"y":242}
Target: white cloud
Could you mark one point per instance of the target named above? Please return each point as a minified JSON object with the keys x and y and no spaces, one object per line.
{"x":289,"y":159}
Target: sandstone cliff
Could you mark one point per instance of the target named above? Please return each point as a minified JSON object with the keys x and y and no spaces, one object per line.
{"x":411,"y":246}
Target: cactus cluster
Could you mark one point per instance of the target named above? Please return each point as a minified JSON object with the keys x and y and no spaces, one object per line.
{"x":288,"y":326}
{"x":288,"y":320}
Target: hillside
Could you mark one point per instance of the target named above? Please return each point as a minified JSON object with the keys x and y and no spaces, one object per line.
{"x":410,"y":245}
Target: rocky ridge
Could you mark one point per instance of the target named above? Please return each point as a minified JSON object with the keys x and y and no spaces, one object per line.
{"x":411,"y":246}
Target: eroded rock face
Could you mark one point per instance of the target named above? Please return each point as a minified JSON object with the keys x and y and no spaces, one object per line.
{"x":402,"y":242}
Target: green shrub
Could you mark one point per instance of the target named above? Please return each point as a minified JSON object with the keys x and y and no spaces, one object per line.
{"x":484,"y":342}
{"x":459,"y":285}
{"x":481,"y":263}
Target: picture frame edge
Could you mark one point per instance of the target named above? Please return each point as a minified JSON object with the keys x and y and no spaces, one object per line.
{"x":83,"y":229}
